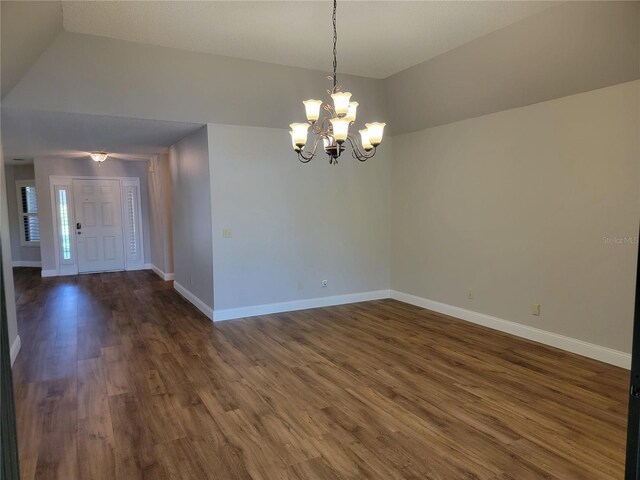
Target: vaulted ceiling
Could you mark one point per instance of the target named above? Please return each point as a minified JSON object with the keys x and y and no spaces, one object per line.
{"x":181,"y":64}
{"x":376,"y":38}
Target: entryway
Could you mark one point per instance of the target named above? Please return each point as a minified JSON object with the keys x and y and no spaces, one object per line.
{"x":98,"y":224}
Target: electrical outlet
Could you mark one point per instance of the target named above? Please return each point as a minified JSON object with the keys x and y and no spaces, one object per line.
{"x":470,"y":294}
{"x":324,"y":283}
{"x":227,"y":233}
{"x":535,"y":309}
{"x":300,"y":285}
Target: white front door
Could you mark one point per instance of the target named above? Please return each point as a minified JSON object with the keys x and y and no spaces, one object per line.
{"x":98,"y":229}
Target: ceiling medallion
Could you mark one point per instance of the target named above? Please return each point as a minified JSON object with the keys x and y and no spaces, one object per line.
{"x":333,"y":130}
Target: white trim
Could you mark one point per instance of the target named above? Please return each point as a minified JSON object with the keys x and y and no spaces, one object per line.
{"x":26,"y":263}
{"x":15,"y":349}
{"x":165,"y":276}
{"x":190,"y":297}
{"x":597,"y":352}
{"x":252,"y":311}
{"x":55,"y":273}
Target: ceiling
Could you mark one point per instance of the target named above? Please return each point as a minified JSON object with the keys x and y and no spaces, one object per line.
{"x":375,"y":38}
{"x":33,"y":133}
{"x":28,"y":28}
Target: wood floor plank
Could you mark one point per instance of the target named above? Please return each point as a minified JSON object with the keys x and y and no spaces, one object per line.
{"x":120,"y":378}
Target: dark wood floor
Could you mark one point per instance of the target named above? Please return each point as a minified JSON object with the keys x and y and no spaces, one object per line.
{"x":119,"y":378}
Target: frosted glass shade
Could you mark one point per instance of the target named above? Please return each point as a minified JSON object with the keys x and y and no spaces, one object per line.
{"x":375,"y":132}
{"x":293,"y":142}
{"x":340,"y":129}
{"x":366,"y":143}
{"x":312,"y":108}
{"x":341,"y":102}
{"x":99,"y":157}
{"x":299,"y":134}
{"x":351,"y":112}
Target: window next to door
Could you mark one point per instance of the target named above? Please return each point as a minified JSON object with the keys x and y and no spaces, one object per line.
{"x":28,"y":213}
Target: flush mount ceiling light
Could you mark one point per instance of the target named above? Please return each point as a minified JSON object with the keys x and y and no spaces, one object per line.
{"x":333,"y":130}
{"x":99,"y":157}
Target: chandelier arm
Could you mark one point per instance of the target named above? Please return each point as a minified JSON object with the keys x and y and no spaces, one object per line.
{"x":324,"y":126}
{"x":306,"y":157}
{"x":302,"y":158}
{"x":356,"y":152}
{"x":315,"y":128}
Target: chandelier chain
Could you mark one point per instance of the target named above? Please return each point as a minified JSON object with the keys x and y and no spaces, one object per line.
{"x":335,"y":46}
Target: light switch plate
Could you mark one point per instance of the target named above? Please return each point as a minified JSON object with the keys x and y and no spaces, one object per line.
{"x":227,"y":233}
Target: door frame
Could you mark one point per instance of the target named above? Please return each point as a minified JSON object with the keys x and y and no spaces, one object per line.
{"x":71,"y":267}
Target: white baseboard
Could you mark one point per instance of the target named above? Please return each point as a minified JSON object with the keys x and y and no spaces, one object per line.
{"x":252,"y":311}
{"x":161,"y":274}
{"x":591,"y":350}
{"x":199,"y":304}
{"x":26,"y":263}
{"x":15,"y":349}
{"x":74,"y":271}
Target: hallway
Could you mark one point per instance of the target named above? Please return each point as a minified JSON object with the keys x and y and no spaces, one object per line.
{"x":119,"y":377}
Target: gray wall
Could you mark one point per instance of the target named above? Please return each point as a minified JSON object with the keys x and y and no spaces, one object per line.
{"x":18,"y":252}
{"x":87,"y":74}
{"x":518,"y":206}
{"x":191,"y":207}
{"x":571,"y":48}
{"x":293,"y":222}
{"x":160,"y":217}
{"x":46,"y":167}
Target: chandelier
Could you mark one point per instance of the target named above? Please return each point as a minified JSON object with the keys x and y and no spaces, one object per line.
{"x":333,"y":129}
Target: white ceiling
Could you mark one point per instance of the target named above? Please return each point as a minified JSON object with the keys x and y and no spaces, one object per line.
{"x":375,"y":38}
{"x":33,"y":133}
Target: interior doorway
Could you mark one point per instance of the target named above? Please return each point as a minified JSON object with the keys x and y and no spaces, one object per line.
{"x":97,"y":224}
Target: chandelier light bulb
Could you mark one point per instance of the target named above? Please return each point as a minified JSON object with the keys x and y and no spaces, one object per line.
{"x":366,"y":143}
{"x":340,"y":129}
{"x":313,"y":109}
{"x":99,"y":157}
{"x":351,"y":112}
{"x":299,"y":134}
{"x":341,"y":103}
{"x":376,"y":131}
